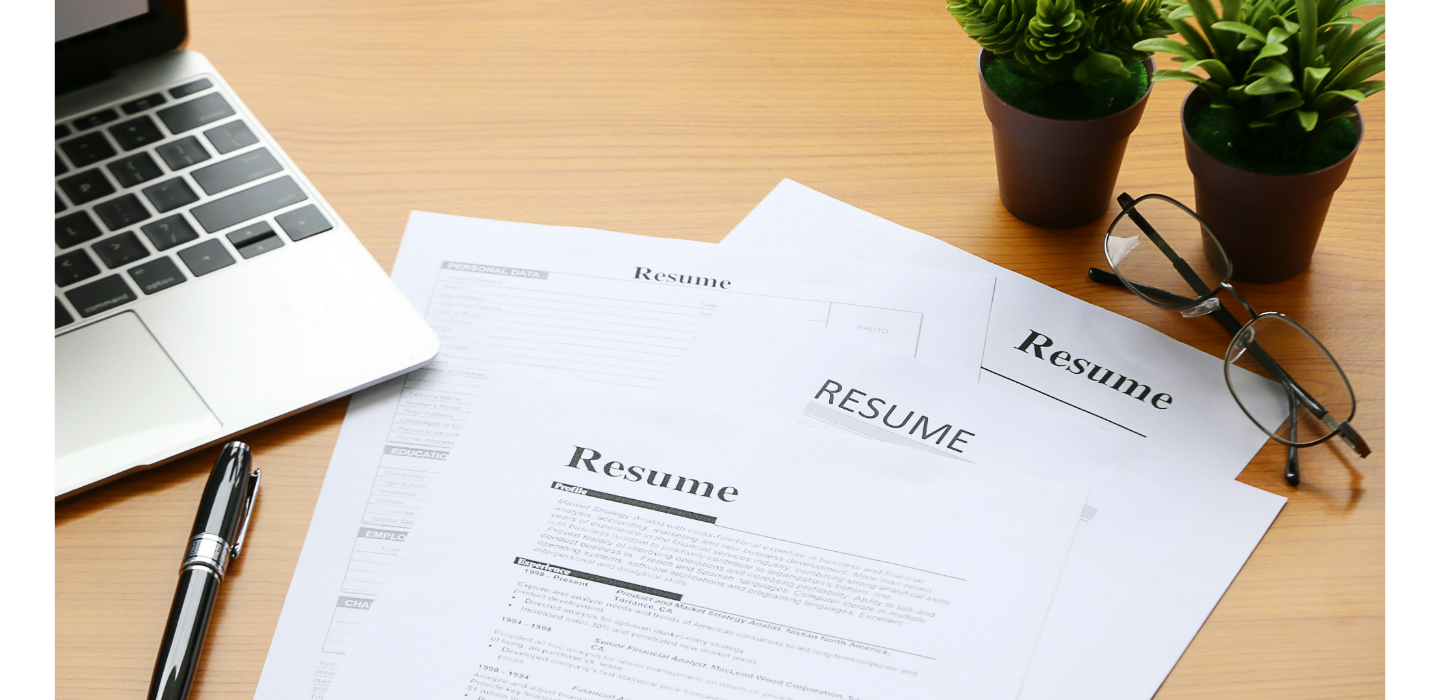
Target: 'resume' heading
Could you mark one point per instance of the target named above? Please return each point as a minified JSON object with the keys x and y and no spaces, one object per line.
{"x":705,"y":489}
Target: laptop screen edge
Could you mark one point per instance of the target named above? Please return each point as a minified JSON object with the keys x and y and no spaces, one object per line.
{"x":96,"y":55}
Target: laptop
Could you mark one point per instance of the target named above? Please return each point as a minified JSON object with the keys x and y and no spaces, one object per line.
{"x":203,"y":287}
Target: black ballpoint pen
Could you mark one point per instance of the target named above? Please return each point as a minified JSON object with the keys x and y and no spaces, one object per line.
{"x":216,"y":538}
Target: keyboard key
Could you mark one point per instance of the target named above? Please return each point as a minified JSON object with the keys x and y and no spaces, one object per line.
{"x":189,"y":88}
{"x":169,"y":232}
{"x":90,"y":121}
{"x":120,"y":250}
{"x":303,"y":222}
{"x":60,"y":168}
{"x":206,"y":258}
{"x":104,"y":293}
{"x":231,"y":137}
{"x":74,"y":229}
{"x":135,"y":133}
{"x":156,"y":275}
{"x":254,"y":240}
{"x":197,"y":112}
{"x":121,"y":212}
{"x":170,"y":194}
{"x":87,"y":186}
{"x":72,"y":267}
{"x":183,"y":153}
{"x":247,"y":204}
{"x":90,"y":148}
{"x":59,"y":203}
{"x":234,"y":172}
{"x":61,"y":131}
{"x":62,"y":317}
{"x":143,"y":103}
{"x":133,"y":170}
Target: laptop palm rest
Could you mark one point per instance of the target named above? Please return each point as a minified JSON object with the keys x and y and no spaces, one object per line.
{"x":119,"y":398}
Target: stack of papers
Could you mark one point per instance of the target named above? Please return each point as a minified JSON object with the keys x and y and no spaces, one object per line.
{"x":829,"y":458}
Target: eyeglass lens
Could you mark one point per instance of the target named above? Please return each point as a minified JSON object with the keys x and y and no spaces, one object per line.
{"x":1167,"y":254}
{"x":1272,"y":363}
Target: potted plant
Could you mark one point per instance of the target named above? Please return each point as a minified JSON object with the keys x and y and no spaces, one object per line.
{"x":1271,"y":127}
{"x":1063,"y":85}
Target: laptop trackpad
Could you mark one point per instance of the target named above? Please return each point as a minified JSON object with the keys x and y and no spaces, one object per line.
{"x":119,"y":400}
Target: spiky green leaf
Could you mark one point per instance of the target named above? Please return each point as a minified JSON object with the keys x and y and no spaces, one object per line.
{"x":1266,"y":85}
{"x":1275,"y":70}
{"x":1313,"y":78}
{"x":1166,"y":46}
{"x":1217,"y":70}
{"x":1164,"y":75}
{"x":1353,"y":4}
{"x":1272,"y":50}
{"x":1100,"y":66}
{"x":1198,"y":46}
{"x":1362,"y":40}
{"x":1288,"y":101}
{"x":1359,"y":70}
{"x":1351,"y":21}
{"x":1277,"y":35}
{"x":1370,"y":87}
{"x":1240,"y":28}
{"x":1308,"y":119}
{"x":1205,"y":17}
{"x":1305,"y":15}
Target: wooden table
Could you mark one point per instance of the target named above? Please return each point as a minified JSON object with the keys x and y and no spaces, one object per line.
{"x":670,"y":118}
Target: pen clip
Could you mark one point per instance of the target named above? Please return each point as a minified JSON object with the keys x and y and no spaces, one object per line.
{"x":251,"y":492}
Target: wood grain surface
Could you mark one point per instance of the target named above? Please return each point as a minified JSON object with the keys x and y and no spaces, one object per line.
{"x":671,"y":118}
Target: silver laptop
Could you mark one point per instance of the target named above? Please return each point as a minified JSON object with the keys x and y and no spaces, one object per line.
{"x":202,"y":285}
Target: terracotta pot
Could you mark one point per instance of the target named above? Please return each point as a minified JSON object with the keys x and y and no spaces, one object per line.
{"x":1269,"y":224}
{"x":1056,"y":173}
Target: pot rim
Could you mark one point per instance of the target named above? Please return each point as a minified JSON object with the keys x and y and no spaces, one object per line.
{"x":1149,"y":64}
{"x":1359,"y":119}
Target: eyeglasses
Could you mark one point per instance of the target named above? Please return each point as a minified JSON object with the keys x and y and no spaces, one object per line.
{"x":1282,"y":377}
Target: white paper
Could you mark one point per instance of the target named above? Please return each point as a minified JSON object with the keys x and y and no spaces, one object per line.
{"x":1155,"y":388}
{"x":557,"y":563}
{"x":1161,"y":539}
{"x":564,"y":300}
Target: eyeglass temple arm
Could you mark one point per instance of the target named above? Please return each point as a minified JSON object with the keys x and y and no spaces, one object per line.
{"x":1178,"y":262}
{"x":1292,"y":459}
{"x":1222,"y":315}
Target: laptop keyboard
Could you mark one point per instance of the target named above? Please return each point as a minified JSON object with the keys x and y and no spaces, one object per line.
{"x":156,"y":191}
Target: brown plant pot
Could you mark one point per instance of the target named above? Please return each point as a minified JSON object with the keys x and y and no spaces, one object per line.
{"x":1269,"y":224}
{"x":1056,"y":173}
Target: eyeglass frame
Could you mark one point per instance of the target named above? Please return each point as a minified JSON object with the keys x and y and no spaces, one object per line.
{"x":1207,"y":303}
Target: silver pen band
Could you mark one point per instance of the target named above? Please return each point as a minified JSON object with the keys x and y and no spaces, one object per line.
{"x":209,"y":551}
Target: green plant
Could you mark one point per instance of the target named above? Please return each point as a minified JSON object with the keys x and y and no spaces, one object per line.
{"x":1278,"y":71}
{"x":1051,"y":41}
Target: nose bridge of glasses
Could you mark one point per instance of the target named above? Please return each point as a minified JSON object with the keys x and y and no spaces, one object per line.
{"x":1239,"y":345}
{"x":1225,"y":284}
{"x":1204,"y":307}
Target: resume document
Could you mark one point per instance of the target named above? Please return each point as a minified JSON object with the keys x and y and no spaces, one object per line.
{"x":594,"y":542}
{"x":1167,"y":529}
{"x":601,"y":306}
